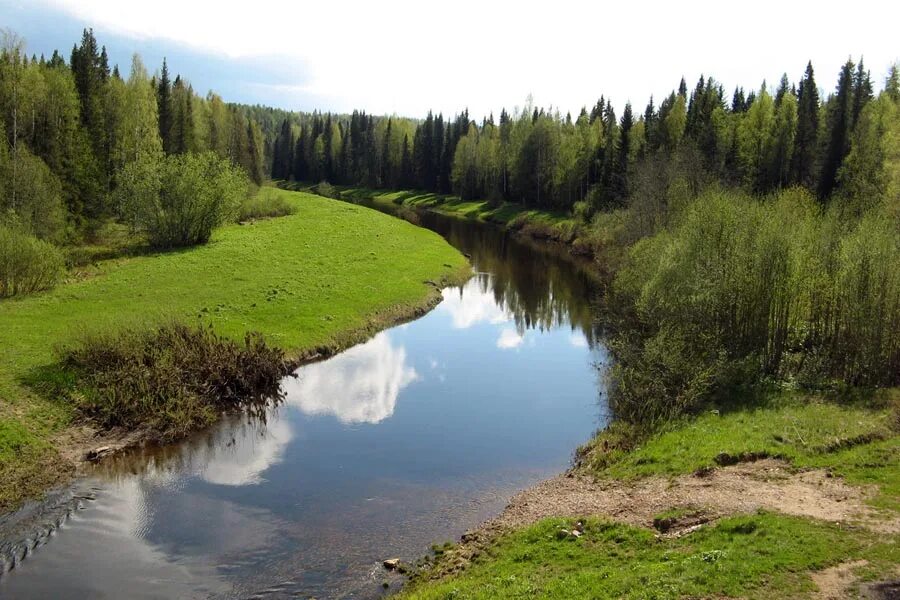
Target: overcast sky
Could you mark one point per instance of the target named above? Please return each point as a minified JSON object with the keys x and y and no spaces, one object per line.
{"x":405,"y":57}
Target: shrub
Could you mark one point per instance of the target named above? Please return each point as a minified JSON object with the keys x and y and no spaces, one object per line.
{"x":33,"y":194}
{"x":180,"y":199}
{"x":738,"y":289}
{"x":171,"y":379}
{"x":264,"y":204}
{"x":323,"y":188}
{"x":27,"y":264}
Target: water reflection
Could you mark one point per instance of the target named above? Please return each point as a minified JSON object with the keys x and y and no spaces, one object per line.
{"x":405,"y":440}
{"x":473,"y":304}
{"x":360,"y":385}
{"x":241,"y":460}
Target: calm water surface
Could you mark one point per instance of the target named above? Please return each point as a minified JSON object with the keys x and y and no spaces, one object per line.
{"x":408,"y":439}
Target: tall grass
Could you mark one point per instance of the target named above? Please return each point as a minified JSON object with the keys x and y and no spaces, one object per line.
{"x":27,"y":264}
{"x":739,"y":288}
{"x":170,"y":379}
{"x":266,"y":203}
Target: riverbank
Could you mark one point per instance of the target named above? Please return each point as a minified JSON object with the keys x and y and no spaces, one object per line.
{"x":311,"y":283}
{"x":790,"y":496}
{"x":587,"y":240}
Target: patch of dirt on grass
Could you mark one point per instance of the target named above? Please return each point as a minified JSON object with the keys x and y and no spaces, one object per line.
{"x":765,"y":484}
{"x":768,"y":484}
{"x":834,"y":583}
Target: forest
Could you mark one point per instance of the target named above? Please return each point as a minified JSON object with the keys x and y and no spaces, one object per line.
{"x":695,"y":190}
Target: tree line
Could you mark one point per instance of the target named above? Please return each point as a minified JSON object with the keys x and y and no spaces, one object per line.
{"x":763,"y":140}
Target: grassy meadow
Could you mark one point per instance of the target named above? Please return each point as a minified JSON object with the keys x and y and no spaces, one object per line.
{"x":320,"y":278}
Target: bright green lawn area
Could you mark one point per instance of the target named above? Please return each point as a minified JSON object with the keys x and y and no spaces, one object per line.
{"x":324,"y":276}
{"x":761,"y":556}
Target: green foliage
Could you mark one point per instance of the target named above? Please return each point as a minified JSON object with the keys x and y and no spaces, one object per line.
{"x":27,"y":265}
{"x":763,"y":555}
{"x":266,"y":203}
{"x":171,"y":379}
{"x":180,"y":199}
{"x":729,"y":294}
{"x":32,"y":194}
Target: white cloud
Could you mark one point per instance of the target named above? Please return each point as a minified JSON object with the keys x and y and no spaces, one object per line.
{"x":509,"y":338}
{"x":406,"y":56}
{"x":360,"y":385}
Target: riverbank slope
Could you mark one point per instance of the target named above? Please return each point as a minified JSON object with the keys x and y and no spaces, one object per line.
{"x":789,"y":497}
{"x":313,"y":282}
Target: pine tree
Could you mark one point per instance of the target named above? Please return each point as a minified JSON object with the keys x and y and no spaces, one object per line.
{"x":862,"y":92}
{"x":620,"y":180}
{"x":254,"y":152}
{"x":840,"y":114}
{"x":164,"y":108}
{"x":90,"y":78}
{"x":386,"y":167}
{"x":406,"y":167}
{"x":806,"y":142}
{"x":738,"y":101}
{"x":892,"y":84}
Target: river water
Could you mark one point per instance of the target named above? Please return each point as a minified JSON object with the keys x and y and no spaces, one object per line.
{"x":405,"y":440}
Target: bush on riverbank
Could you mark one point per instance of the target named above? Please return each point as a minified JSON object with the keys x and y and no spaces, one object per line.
{"x":740,"y":289}
{"x":170,"y":379}
{"x":178,"y":200}
{"x":27,"y":264}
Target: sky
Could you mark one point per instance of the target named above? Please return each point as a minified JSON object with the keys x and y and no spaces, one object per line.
{"x":406,"y":57}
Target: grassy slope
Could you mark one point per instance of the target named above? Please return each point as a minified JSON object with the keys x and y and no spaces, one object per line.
{"x":755,"y":556}
{"x":324,"y":276}
{"x":503,"y":214}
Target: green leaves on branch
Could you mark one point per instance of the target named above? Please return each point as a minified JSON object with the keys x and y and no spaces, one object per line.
{"x":180,"y":199}
{"x":27,"y":264}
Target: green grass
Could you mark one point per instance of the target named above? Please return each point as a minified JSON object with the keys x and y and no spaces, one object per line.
{"x":555,"y":225}
{"x":763,"y":555}
{"x":854,"y":440}
{"x":323,"y":277}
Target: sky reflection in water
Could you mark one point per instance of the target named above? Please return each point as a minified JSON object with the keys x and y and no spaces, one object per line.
{"x":407,"y":439}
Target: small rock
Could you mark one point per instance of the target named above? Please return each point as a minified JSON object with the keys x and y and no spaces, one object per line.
{"x":97,"y":453}
{"x":391,"y":563}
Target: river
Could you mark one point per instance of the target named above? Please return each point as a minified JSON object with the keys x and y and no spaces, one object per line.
{"x":405,"y":440}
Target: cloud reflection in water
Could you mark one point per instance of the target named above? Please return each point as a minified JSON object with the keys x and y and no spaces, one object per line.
{"x":360,"y":385}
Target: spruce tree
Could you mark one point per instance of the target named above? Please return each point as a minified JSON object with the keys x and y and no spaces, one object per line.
{"x":806,"y":143}
{"x":386,"y":167}
{"x":164,"y":108}
{"x":406,"y":168}
{"x":862,"y":92}
{"x":892,"y":84}
{"x":840,"y":114}
{"x":620,"y":180}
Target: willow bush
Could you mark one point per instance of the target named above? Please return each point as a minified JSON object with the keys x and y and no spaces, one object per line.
{"x":27,"y":264}
{"x":180,"y":199}
{"x":739,"y":288}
